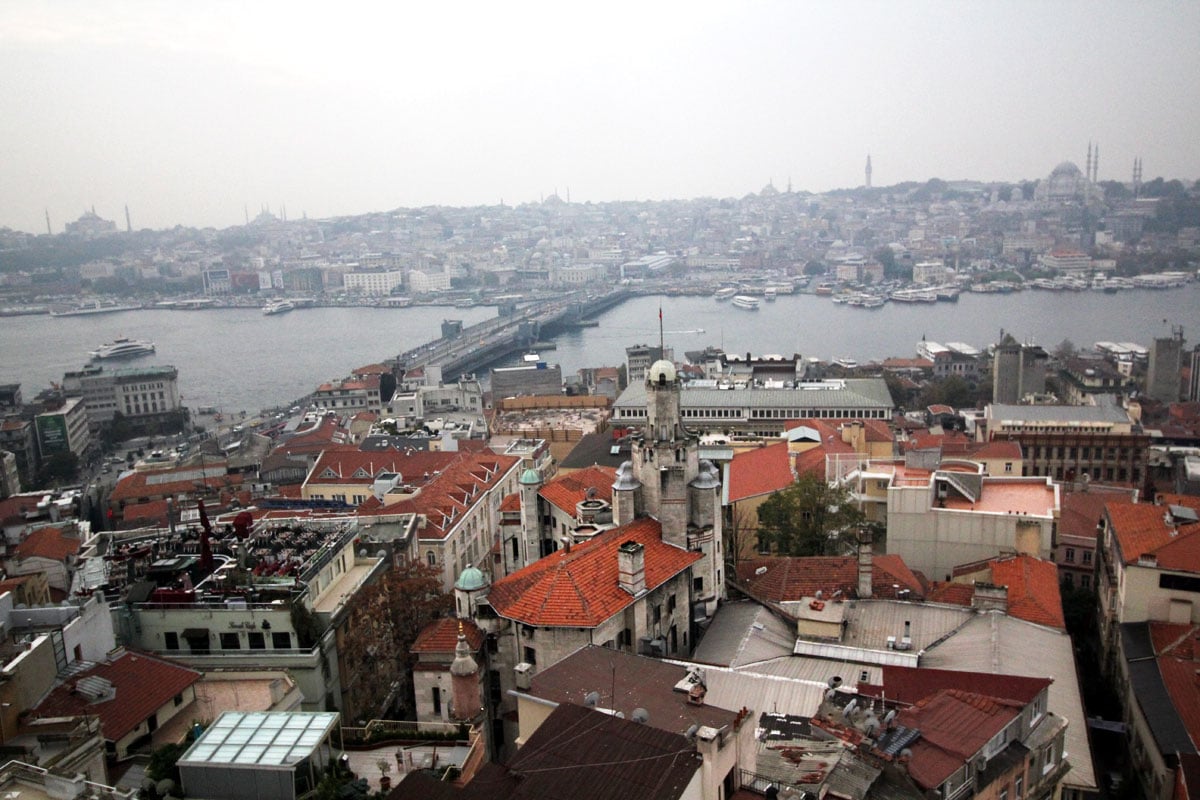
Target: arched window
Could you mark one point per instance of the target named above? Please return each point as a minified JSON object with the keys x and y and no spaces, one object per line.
{"x":431,"y":558}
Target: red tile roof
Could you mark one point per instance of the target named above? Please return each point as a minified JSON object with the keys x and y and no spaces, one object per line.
{"x":349,"y":466}
{"x":142,"y":683}
{"x":139,"y":485}
{"x":954,"y":725}
{"x":1032,"y":583}
{"x":152,"y":511}
{"x":14,"y":508}
{"x":1083,"y":511}
{"x":788,"y":578}
{"x":51,"y":543}
{"x":447,"y":497}
{"x":565,"y":491}
{"x":910,"y":685}
{"x":760,"y":471}
{"x":1175,"y":646}
{"x":580,"y":588}
{"x":441,"y":636}
{"x":1147,"y":529}
{"x":511,"y":502}
{"x":997,"y":449}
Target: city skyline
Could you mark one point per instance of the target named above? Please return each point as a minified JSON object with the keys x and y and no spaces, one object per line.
{"x":189,"y":118}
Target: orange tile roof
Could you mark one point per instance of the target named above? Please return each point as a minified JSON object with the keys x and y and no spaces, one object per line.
{"x":441,"y":636}
{"x":1030,"y":496}
{"x":353,"y":467}
{"x":150,"y":511}
{"x":511,"y":502}
{"x":1144,"y":529}
{"x":760,"y":471}
{"x":1175,"y":647}
{"x":954,"y":726}
{"x":565,"y":491}
{"x":997,"y":449}
{"x":137,"y":485}
{"x":1033,"y":593}
{"x":580,"y":589}
{"x":51,"y":543}
{"x":951,"y":593}
{"x":15,"y":507}
{"x":790,"y":578}
{"x":143,"y":684}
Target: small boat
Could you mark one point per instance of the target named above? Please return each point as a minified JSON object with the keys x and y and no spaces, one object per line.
{"x":746,"y":302}
{"x":278,"y":307}
{"x":123,"y":347}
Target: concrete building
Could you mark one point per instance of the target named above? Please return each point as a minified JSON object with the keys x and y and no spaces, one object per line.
{"x":1017,"y":371}
{"x":373,"y":283}
{"x":538,"y":378}
{"x":638,"y":359}
{"x":1067,"y":442}
{"x":63,"y":429}
{"x":146,"y":397}
{"x":1163,"y":373}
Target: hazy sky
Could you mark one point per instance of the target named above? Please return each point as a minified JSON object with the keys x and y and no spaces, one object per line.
{"x":189,"y":112}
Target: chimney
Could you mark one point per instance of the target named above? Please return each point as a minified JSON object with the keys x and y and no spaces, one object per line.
{"x":990,"y":597}
{"x":864,"y":563}
{"x":631,"y":567}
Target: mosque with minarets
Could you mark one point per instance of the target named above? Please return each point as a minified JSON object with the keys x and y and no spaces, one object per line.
{"x":643,"y":576}
{"x":1067,"y":183}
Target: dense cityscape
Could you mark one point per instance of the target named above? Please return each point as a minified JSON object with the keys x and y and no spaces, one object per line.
{"x":955,"y":571}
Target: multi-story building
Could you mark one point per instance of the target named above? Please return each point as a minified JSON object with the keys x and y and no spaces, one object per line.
{"x":17,"y":436}
{"x":373,"y":282}
{"x":1068,"y":442}
{"x":1080,"y":380}
{"x":1067,"y":262}
{"x":217,"y":281}
{"x":638,"y":359}
{"x":1163,"y":373}
{"x":539,"y":379}
{"x":1017,"y":371}
{"x":145,"y":396}
{"x":422,"y":282}
{"x":63,"y":429}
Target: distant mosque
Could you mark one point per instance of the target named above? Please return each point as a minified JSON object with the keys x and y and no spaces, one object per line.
{"x":1067,"y":183}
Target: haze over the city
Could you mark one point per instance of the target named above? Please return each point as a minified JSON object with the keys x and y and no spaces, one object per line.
{"x":190,"y":114}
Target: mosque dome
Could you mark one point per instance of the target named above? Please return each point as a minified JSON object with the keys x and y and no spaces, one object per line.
{"x":471,"y":580}
{"x":1067,"y":169}
{"x":530,"y":477}
{"x":661,"y":372}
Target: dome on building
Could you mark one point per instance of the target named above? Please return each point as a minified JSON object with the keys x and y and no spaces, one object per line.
{"x":660,"y":372}
{"x":530,"y":477}
{"x":1066,"y":183}
{"x":626,"y":480}
{"x":471,"y":580}
{"x":1067,"y":169}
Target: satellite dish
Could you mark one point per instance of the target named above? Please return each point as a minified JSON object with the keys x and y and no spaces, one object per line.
{"x":641,"y":715}
{"x":381,"y":553}
{"x":591,"y":699}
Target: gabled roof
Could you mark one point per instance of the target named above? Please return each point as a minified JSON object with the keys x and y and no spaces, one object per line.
{"x":997,"y":449}
{"x":760,"y":471}
{"x":583,"y":754}
{"x":954,"y":725}
{"x":1032,"y":583}
{"x":448,"y":496}
{"x":565,"y":491}
{"x":579,"y":588}
{"x":1148,"y":529}
{"x":141,"y":683}
{"x":441,"y":636}
{"x":352,"y":467}
{"x":790,"y":578}
{"x":1177,"y":647}
{"x":51,"y":542}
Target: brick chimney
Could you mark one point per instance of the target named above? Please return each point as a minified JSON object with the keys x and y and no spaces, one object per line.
{"x":865,"y":563}
{"x":631,"y":567}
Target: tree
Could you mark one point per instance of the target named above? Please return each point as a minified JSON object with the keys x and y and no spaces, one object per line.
{"x":59,"y":467}
{"x":887,"y":258}
{"x":809,"y":518}
{"x":1064,"y":350}
{"x":814,"y":267}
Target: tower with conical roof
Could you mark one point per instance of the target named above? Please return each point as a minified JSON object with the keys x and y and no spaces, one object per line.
{"x":531,"y":519}
{"x":868,"y":170}
{"x":464,"y":682}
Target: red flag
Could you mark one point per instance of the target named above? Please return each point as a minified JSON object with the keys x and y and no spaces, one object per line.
{"x":660,"y":313}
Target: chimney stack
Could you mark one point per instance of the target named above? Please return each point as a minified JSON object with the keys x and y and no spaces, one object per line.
{"x":865,"y":566}
{"x":631,"y":567}
{"x":990,"y":597}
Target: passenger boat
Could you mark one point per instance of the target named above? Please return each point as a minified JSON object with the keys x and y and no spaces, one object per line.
{"x":725,"y":294}
{"x":278,"y":307}
{"x":745,"y":301}
{"x":123,"y":347}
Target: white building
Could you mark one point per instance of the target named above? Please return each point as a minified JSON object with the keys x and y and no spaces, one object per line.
{"x":373,"y":282}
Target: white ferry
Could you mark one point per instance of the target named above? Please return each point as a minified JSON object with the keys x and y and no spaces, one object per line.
{"x":123,"y":348}
{"x":725,"y":294}
{"x":278,"y":307}
{"x":746,"y":301}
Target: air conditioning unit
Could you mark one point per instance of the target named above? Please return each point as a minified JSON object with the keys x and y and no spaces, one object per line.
{"x":523,"y":675}
{"x":905,"y":643}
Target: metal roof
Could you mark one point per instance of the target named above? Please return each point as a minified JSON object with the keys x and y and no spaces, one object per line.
{"x":1170,"y":734}
{"x":1097,"y":413}
{"x":869,"y":393}
{"x":744,"y":633}
{"x":999,"y":644}
{"x":1136,"y":643}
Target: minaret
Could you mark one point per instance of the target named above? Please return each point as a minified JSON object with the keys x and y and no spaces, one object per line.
{"x":1095,"y":164}
{"x":128,"y":223}
{"x":48,"y":231}
{"x":1088,"y":168}
{"x":464,"y":680}
{"x":868,"y":170}
{"x":1137,"y":176}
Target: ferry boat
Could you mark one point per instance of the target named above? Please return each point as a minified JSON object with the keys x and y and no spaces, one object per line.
{"x":770,"y":293}
{"x":746,"y":301}
{"x":92,"y":307}
{"x":278,"y":307}
{"x":725,"y":294}
{"x":123,"y":348}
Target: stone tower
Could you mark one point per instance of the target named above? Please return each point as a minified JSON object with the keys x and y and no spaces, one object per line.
{"x":531,"y":523}
{"x":464,"y":681}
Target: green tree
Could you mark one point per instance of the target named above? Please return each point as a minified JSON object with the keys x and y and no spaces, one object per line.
{"x":58,"y":468}
{"x":809,"y":518}
{"x":887,"y":257}
{"x":814,"y":267}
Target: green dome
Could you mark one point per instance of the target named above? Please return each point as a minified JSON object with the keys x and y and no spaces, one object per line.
{"x":471,"y":580}
{"x":530,"y":477}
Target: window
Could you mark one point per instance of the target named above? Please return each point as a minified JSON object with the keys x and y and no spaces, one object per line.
{"x":256,"y":640}
{"x":698,"y":583}
{"x":1086,"y":556}
{"x":171,"y":640}
{"x":1085,"y":581}
{"x":1008,"y":466}
{"x":1069,"y":555}
{"x":281,"y":641}
{"x":1018,"y":787}
{"x":1004,"y":793}
{"x":671,"y":604}
{"x":178,"y":699}
{"x":230,"y":641}
{"x":431,"y":558}
{"x":437,"y":700}
{"x":530,"y":656}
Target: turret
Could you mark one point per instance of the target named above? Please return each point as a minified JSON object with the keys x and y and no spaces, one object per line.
{"x":531,"y":525}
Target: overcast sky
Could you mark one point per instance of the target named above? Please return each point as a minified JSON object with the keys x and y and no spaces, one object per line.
{"x":189,"y":112}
